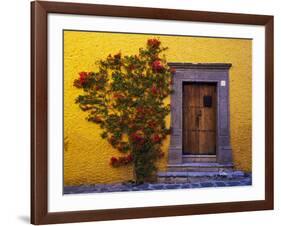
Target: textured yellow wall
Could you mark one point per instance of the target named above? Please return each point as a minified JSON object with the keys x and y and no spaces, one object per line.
{"x":86,"y":158}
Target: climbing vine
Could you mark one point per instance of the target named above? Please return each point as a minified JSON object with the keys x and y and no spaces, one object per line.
{"x":126,"y":98}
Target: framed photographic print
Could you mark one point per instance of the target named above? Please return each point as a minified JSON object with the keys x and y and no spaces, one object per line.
{"x":147,"y":112}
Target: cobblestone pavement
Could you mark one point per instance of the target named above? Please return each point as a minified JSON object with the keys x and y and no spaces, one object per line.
{"x":218,"y":181}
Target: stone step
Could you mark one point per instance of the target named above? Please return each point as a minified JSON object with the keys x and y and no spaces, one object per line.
{"x":199,"y":167}
{"x":189,"y":174}
{"x":199,"y":158}
{"x":187,"y":177}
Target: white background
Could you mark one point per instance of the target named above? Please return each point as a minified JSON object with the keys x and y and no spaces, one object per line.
{"x":14,"y":114}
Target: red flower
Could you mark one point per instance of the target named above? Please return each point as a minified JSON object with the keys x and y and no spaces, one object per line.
{"x":113,"y":160}
{"x":154,"y":90}
{"x":122,"y":160}
{"x":154,"y":43}
{"x":137,"y":136}
{"x":157,"y":66}
{"x":156,"y":138}
{"x":130,"y":157}
{"x":83,"y":77}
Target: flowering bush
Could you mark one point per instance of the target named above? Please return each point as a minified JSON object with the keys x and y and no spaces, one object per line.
{"x":126,"y":98}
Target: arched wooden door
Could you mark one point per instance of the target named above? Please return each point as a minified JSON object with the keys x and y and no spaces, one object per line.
{"x":199,"y":118}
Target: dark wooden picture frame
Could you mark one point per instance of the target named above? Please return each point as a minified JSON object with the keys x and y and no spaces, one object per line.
{"x":39,"y":109}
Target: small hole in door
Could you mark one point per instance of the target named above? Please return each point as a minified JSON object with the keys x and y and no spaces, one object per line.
{"x":207,"y":100}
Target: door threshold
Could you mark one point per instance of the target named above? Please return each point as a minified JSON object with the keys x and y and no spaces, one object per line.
{"x":199,"y":156}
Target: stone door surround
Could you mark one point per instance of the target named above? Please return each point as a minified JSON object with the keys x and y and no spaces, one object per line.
{"x":201,"y":72}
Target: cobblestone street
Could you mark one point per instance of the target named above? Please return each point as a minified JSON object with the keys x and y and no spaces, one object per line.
{"x":194,"y":182}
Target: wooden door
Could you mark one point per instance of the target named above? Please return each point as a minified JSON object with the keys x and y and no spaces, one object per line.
{"x":199,"y":118}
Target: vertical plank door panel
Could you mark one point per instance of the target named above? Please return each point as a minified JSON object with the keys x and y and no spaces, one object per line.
{"x":199,"y":120}
{"x":191,"y":98}
{"x":207,"y":125}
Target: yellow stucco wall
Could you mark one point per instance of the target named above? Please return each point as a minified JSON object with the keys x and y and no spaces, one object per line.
{"x":86,"y":158}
